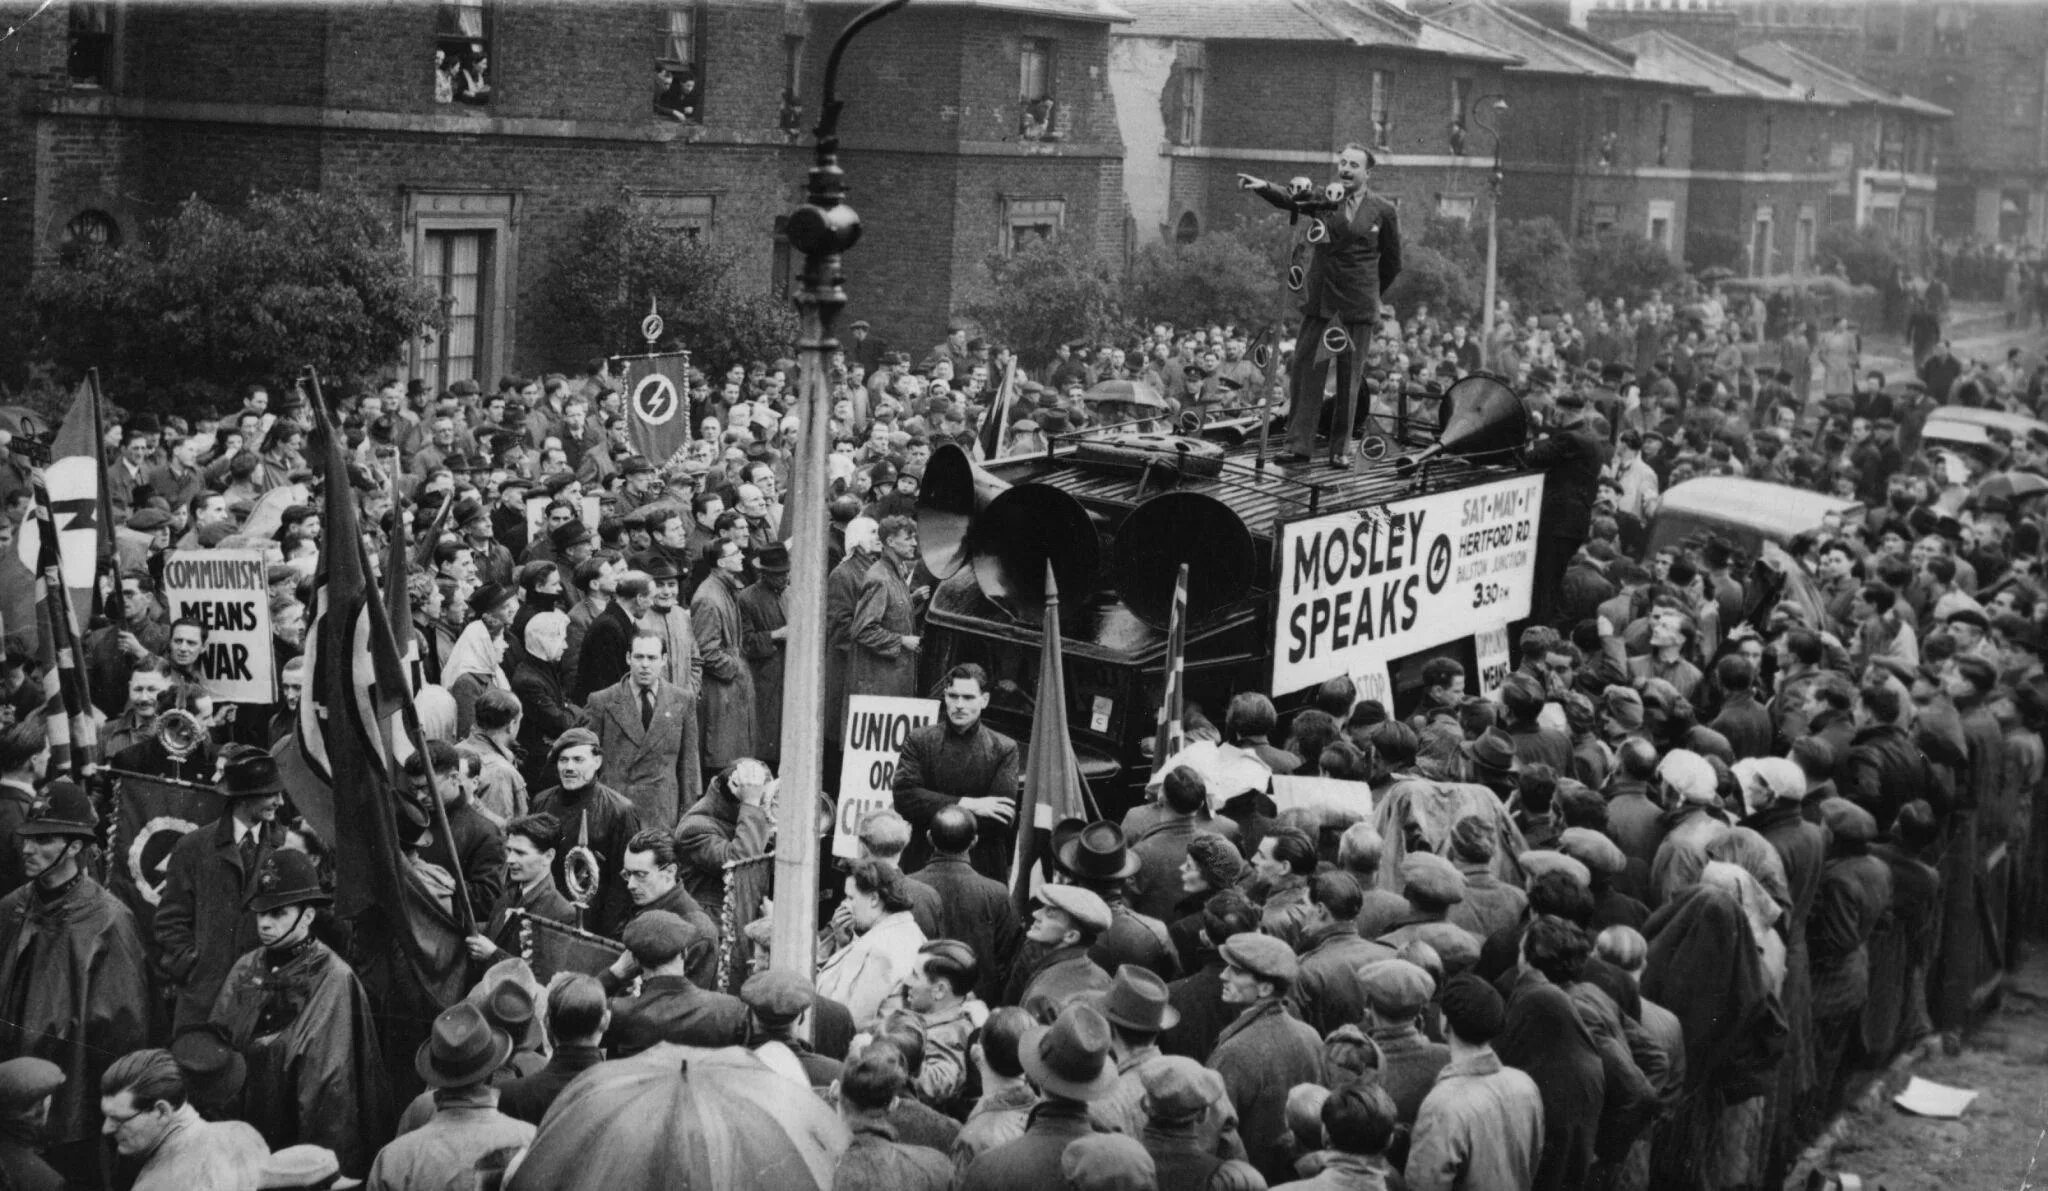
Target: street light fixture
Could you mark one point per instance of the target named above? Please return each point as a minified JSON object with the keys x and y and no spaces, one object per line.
{"x":1486,"y":113}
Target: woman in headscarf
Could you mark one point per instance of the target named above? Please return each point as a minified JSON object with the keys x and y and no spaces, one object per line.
{"x":1545,"y":1038}
{"x":477,"y":659}
{"x":1742,"y":1153}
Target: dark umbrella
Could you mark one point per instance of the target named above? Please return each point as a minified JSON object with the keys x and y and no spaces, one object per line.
{"x":1716,"y":273}
{"x":684,"y":1117}
{"x":2011,"y":486}
{"x":1134,"y":392}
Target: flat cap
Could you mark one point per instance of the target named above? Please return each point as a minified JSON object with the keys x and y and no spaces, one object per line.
{"x":1177,"y":1087}
{"x":1624,"y":704}
{"x":1689,"y":774}
{"x":1848,"y":822}
{"x":301,"y":1165}
{"x":148,"y":520}
{"x":1262,"y":955}
{"x":1472,"y":839}
{"x":1473,"y":1008}
{"x":1107,"y":1162}
{"x":777,"y":996}
{"x":1396,"y":987}
{"x":1592,"y":849}
{"x":567,"y":534}
{"x":1963,"y":615}
{"x":1085,"y":908}
{"x":24,"y":1081}
{"x":1544,"y":860}
{"x":1432,"y":878}
{"x":659,"y":934}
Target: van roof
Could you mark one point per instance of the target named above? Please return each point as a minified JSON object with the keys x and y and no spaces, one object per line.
{"x":1965,"y":423}
{"x":1735,"y":500}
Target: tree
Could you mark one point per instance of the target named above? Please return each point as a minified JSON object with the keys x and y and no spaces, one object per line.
{"x":1431,"y":278}
{"x":1535,"y":265}
{"x":1621,"y":264}
{"x":1868,"y":254}
{"x":1047,"y":292}
{"x":618,"y":257}
{"x":211,"y":299}
{"x":1711,"y":248}
{"x":1219,"y":278}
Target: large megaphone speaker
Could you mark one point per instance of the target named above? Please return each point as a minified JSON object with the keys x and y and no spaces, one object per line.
{"x":1484,"y":417}
{"x":1174,"y":528}
{"x":967,"y":517}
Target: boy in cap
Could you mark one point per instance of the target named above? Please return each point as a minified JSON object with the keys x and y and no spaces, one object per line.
{"x":1396,"y":993}
{"x":1180,"y":1098}
{"x":1481,"y":1126}
{"x":25,"y":1089}
{"x":1266,"y":1051}
{"x":72,"y":970}
{"x":1066,"y":924}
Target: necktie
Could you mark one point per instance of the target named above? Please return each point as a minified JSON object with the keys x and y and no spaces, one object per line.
{"x":1351,"y":202}
{"x":249,"y":846}
{"x":646,"y":708}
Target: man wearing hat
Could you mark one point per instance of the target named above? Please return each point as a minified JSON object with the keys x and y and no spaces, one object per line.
{"x":1396,"y":993}
{"x":764,"y":626}
{"x":1181,"y":1100}
{"x":1138,"y":1009}
{"x":1481,"y":1125}
{"x":25,"y":1089}
{"x":508,"y":514}
{"x":303,"y":1168}
{"x":1572,"y":455}
{"x":776,"y":1000}
{"x":670,"y":1007}
{"x":201,"y":925}
{"x":1432,"y":886}
{"x":1095,"y":858}
{"x":1266,"y":1051}
{"x":473,"y":522}
{"x":213,"y":1069}
{"x":467,"y":1134}
{"x":72,"y":971}
{"x":1070,"y":1062}
{"x":1065,"y":926}
{"x":300,"y":1018}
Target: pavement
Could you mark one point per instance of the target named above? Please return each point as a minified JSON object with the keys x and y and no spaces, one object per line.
{"x":1975,"y":330}
{"x":2001,"y":1140}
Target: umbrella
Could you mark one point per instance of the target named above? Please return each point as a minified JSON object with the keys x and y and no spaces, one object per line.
{"x":1716,"y":273}
{"x":1132,"y":392}
{"x":684,"y":1117}
{"x":2012,"y":486}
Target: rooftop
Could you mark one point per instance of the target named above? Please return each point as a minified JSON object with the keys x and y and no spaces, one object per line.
{"x":1073,"y":10}
{"x":1824,"y":80}
{"x":1356,"y":22}
{"x":1543,"y":48}
{"x":1666,"y":57}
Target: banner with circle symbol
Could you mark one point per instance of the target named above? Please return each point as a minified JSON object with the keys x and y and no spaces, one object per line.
{"x":657,"y":392}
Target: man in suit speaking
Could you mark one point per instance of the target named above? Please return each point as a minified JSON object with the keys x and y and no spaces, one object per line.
{"x":1353,"y":259}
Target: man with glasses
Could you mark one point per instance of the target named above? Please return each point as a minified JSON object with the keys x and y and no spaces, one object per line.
{"x":653,"y":882}
{"x":146,"y":1108}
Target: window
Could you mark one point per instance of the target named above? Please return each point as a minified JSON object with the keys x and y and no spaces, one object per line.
{"x":91,"y":229}
{"x":1663,"y":217}
{"x":1952,"y":30}
{"x":1193,"y":83}
{"x":90,"y":53}
{"x":455,"y":264}
{"x":1382,"y":115}
{"x":1461,"y":100}
{"x":1187,"y":229}
{"x":1028,"y":220}
{"x":679,"y":72}
{"x":2014,"y":204}
{"x":1804,"y":238}
{"x":1770,"y":133}
{"x":1664,"y":133}
{"x":2020,"y":95}
{"x":1602,"y":216}
{"x":1610,"y":129}
{"x":1037,"y":66}
{"x":1760,"y":257}
{"x":1886,"y":28}
{"x":462,"y":53}
{"x":1457,"y":206}
{"x":792,"y":118}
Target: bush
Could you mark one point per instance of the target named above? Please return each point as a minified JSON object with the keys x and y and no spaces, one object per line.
{"x":600,"y":281}
{"x":210,"y":300}
{"x":1047,"y":292}
{"x":1866,"y":255}
{"x":1711,"y":248}
{"x":1430,"y":278}
{"x":1621,"y":264}
{"x":1535,"y":264}
{"x":1220,"y":278}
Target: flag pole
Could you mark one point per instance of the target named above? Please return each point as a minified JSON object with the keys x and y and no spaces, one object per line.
{"x":116,"y":605}
{"x":823,"y":228}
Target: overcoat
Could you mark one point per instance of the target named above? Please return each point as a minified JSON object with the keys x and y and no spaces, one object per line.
{"x":726,"y":704}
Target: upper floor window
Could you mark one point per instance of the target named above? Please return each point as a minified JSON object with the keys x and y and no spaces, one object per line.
{"x":1026,"y":221}
{"x":1037,"y":67}
{"x":1952,"y":29}
{"x":1461,"y":102}
{"x":1664,"y":133}
{"x":90,"y":59}
{"x":792,"y":118}
{"x":679,"y":73}
{"x":1887,"y":28}
{"x":1193,"y":84}
{"x":462,"y":53}
{"x":1382,"y":113}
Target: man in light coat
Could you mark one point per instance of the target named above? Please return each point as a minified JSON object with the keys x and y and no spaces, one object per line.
{"x":1481,"y":1126}
{"x":640,"y":723}
{"x":727,"y":701}
{"x":883,"y":656}
{"x":681,"y":666}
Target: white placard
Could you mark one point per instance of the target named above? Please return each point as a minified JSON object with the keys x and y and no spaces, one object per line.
{"x":1373,"y":682}
{"x":876,"y":727}
{"x":225,"y":591}
{"x":1337,"y":801}
{"x":1389,"y":581}
{"x":1490,"y":650}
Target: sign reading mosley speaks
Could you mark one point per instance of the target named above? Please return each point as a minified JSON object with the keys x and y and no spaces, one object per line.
{"x":1373,"y":585}
{"x":225,"y":591}
{"x":876,"y":727}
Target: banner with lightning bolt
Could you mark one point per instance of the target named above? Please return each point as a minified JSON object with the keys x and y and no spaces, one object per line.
{"x":77,"y":482}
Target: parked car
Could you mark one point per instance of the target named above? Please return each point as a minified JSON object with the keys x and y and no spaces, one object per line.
{"x":1966,"y":432}
{"x":1745,"y":512}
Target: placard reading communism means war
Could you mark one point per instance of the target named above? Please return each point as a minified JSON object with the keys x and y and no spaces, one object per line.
{"x":1378,"y":584}
{"x":225,"y":591}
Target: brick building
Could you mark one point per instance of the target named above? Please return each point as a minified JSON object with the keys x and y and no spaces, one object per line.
{"x":1587,"y":139}
{"x":1276,"y":87}
{"x":1881,"y":146}
{"x":1759,"y":170}
{"x":1985,"y":61}
{"x":490,"y":128}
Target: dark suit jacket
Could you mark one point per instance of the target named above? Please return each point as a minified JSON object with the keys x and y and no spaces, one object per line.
{"x":603,"y":661}
{"x":529,"y":1099}
{"x":480,"y":847}
{"x":1572,"y":456}
{"x":671,"y":1009}
{"x":977,"y":911}
{"x":1357,"y":263}
{"x":201,"y":927}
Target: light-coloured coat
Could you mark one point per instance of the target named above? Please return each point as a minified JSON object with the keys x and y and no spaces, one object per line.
{"x":642,"y":762}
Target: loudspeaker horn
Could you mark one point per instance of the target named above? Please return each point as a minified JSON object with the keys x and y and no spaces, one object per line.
{"x":1484,"y":417}
{"x":1174,"y":528}
{"x":968,"y":517}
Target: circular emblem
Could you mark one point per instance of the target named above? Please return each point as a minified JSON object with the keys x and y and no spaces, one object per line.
{"x":150,"y":854}
{"x":654,"y":399}
{"x":1439,"y":563}
{"x":650,"y":327}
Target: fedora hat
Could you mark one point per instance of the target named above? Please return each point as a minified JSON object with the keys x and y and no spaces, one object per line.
{"x":250,"y":774}
{"x":1493,"y":750}
{"x":287,"y":878}
{"x":463,"y":1049}
{"x":1137,"y":1000}
{"x":1098,"y":853}
{"x":214,"y":1070}
{"x":773,"y":557}
{"x":1070,"y":1057}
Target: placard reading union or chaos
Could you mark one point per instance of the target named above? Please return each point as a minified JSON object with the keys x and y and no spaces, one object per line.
{"x":225,"y":591}
{"x":1375,"y":585}
{"x":876,"y":727}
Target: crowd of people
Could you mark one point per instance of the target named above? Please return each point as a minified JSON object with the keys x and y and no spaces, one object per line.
{"x":1634,"y":919}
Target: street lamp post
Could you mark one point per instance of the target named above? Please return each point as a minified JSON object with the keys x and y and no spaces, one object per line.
{"x":1498,"y":106}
